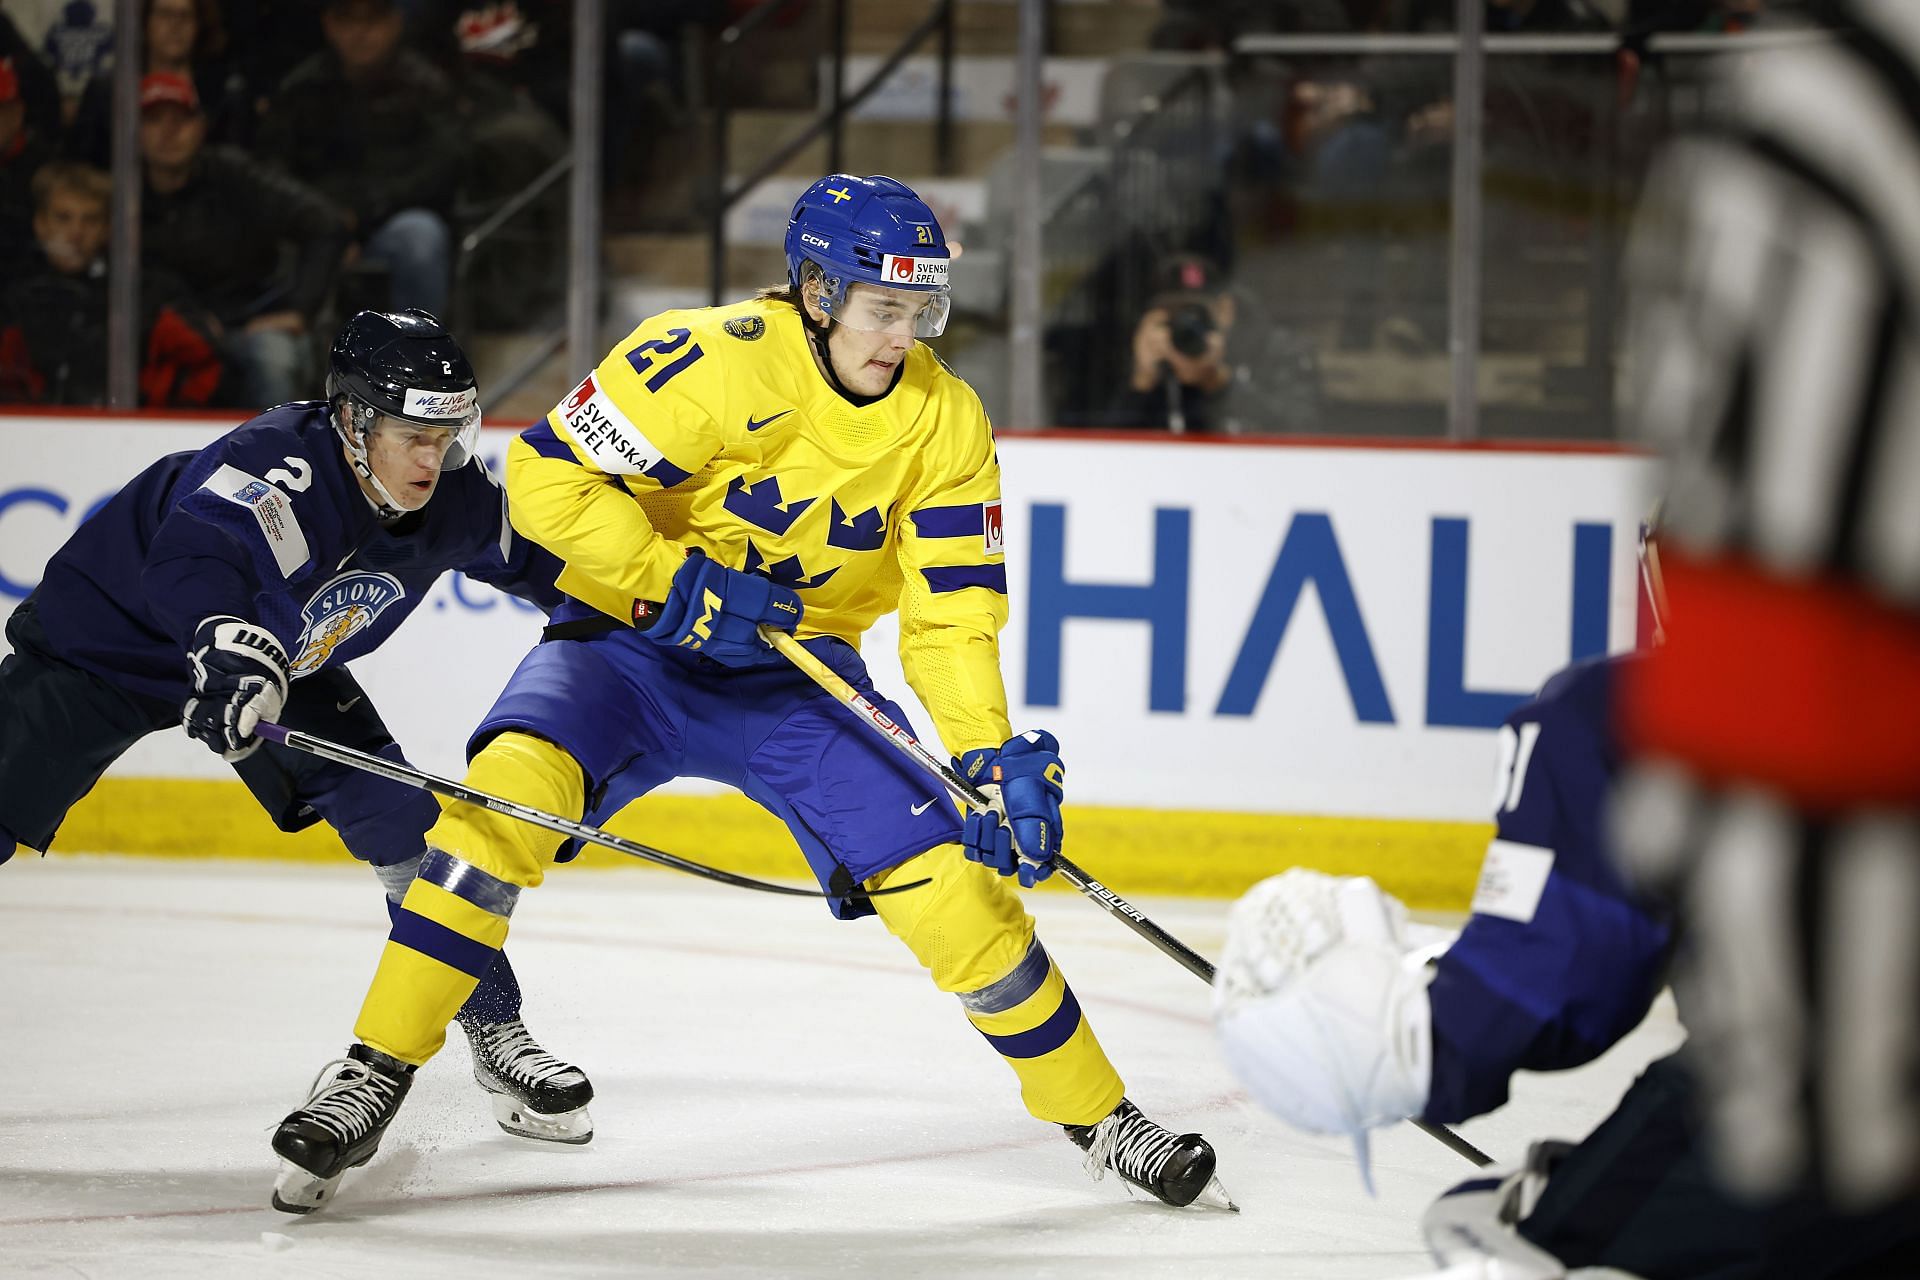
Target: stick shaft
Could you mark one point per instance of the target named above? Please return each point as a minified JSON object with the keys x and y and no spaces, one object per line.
{"x":451,"y":790}
{"x":969,"y":796}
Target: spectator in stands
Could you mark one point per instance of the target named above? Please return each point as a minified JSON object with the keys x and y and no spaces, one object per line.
{"x":214,"y":216}
{"x":184,"y":38}
{"x":509,"y":64}
{"x":377,"y":128}
{"x":74,"y":37}
{"x":21,"y":153}
{"x":268,"y":39}
{"x":521,"y":45}
{"x":1200,"y":364}
{"x":53,"y":339}
{"x":37,"y":86}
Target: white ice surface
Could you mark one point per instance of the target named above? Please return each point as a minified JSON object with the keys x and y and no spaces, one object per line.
{"x":780,"y":1094}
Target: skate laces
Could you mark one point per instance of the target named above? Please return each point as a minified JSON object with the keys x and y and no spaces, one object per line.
{"x":350,"y":1104}
{"x":1129,"y":1144}
{"x":511,"y":1050}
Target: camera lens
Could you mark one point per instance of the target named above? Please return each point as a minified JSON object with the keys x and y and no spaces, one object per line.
{"x":1191,"y":325}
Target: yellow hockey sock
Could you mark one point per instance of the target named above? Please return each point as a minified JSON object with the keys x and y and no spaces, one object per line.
{"x":971,"y":932}
{"x":453,"y":920}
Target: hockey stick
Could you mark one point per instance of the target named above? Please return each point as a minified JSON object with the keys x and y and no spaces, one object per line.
{"x":970,"y":797}
{"x":297,"y":741}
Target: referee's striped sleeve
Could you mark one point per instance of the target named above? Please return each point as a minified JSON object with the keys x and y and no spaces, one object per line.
{"x":1773,"y":344}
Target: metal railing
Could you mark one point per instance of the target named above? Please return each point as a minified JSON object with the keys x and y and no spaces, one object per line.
{"x":723,"y":195}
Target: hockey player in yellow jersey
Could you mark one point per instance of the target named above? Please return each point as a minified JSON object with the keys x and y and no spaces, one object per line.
{"x":799,"y":460}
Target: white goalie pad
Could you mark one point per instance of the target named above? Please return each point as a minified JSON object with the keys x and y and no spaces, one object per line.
{"x":1320,"y":1006}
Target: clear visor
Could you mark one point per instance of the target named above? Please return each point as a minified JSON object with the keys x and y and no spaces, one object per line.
{"x":905,"y":313}
{"x":445,"y":447}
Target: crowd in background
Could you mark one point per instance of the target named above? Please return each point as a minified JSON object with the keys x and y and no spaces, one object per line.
{"x":300,"y":159}
{"x":305,"y":158}
{"x":1326,"y":257}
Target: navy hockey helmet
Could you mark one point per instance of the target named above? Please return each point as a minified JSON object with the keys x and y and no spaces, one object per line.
{"x":406,"y":366}
{"x":872,"y":231}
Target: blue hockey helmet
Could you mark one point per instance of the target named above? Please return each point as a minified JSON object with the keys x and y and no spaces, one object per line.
{"x":402,"y":365}
{"x":872,"y":231}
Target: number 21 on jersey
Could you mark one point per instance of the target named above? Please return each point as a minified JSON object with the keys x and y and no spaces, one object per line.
{"x":642,"y":356}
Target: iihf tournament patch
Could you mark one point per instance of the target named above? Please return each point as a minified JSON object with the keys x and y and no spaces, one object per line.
{"x":272,"y":511}
{"x":339,"y":611}
{"x":995,"y":529}
{"x":746,"y":328}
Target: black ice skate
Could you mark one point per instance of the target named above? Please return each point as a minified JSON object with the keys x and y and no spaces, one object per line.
{"x":339,"y":1128}
{"x":1177,"y":1168}
{"x":535,"y":1095}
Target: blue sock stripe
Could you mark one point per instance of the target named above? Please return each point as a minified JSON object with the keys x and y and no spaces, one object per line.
{"x":1046,"y":1037}
{"x":450,"y":947}
{"x":464,"y":880}
{"x":1015,"y":988}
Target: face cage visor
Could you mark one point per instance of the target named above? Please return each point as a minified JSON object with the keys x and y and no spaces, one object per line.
{"x":874,"y":308}
{"x":462,"y":434}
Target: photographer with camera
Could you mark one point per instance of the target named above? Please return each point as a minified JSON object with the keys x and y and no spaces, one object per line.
{"x":1201,"y":362}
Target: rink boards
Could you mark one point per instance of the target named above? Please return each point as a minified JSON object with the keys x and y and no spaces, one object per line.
{"x":1255,"y":654}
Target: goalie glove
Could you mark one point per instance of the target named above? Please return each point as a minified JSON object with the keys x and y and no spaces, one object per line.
{"x":1320,"y":1008}
{"x":240,"y":677}
{"x":1023,"y":780}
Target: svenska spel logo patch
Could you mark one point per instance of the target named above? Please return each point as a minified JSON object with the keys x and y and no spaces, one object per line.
{"x":920,"y":273}
{"x":608,"y":435}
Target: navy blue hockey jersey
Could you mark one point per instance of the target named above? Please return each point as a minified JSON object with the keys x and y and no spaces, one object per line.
{"x":269,"y":524}
{"x":1560,"y":958}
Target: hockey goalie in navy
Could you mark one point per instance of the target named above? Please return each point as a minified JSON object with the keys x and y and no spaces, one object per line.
{"x":237,"y":582}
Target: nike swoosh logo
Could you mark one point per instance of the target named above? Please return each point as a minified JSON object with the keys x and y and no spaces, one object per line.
{"x":348,"y":705}
{"x":921,"y":808}
{"x":755,"y":426}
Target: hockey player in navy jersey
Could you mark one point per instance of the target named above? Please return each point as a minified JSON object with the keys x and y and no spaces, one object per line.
{"x":1334,"y":1022}
{"x":1559,"y":959}
{"x":233,"y":585}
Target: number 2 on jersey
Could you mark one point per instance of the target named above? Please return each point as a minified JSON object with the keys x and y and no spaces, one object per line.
{"x":642,"y":356}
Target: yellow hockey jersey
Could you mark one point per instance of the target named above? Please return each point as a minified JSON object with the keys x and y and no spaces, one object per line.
{"x":714,"y":428}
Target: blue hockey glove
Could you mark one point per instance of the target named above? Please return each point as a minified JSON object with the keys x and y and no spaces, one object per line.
{"x":239,"y":679}
{"x":1024,"y":781}
{"x":715,"y":611}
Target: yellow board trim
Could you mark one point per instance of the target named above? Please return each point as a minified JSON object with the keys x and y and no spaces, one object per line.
{"x":1428,"y":865}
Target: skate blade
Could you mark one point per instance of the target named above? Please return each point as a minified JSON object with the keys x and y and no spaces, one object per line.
{"x":570,"y":1127}
{"x":297,"y":1191}
{"x":1214,"y":1196}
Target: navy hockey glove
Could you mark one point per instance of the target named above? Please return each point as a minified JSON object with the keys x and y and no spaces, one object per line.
{"x":716,"y":611}
{"x":239,"y":679}
{"x":1024,"y":781}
